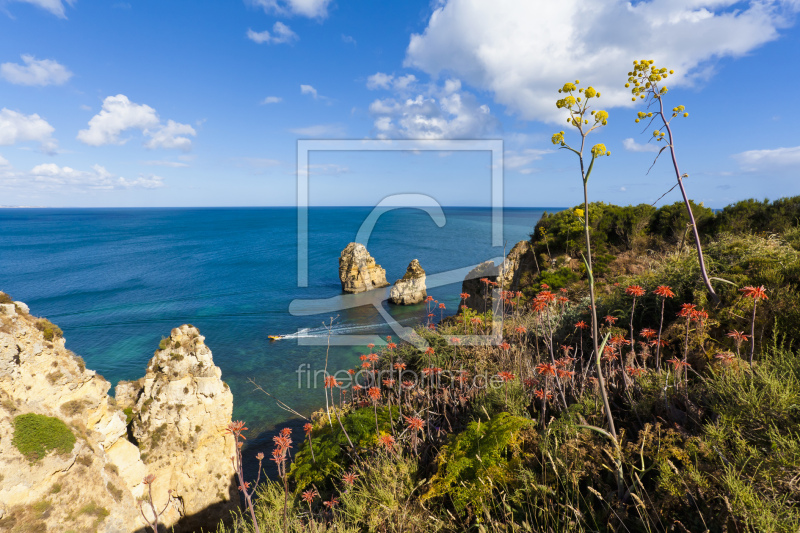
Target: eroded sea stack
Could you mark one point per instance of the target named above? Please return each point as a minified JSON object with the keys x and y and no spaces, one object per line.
{"x":410,"y":289}
{"x":180,"y":411}
{"x":66,"y":460}
{"x":358,"y":271}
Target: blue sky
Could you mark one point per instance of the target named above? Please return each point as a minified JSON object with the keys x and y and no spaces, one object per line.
{"x":202,"y":103}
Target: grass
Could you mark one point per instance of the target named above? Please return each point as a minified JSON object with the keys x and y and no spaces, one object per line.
{"x":36,"y":435}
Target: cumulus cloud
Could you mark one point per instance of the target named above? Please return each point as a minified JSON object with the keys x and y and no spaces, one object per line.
{"x":16,"y":127}
{"x":119,"y":114}
{"x":434,"y":113}
{"x":35,"y":72}
{"x":348,"y":39}
{"x":171,"y":135}
{"x":632,"y":146}
{"x":304,"y":8}
{"x":281,"y":34}
{"x":769,"y":160}
{"x":523,"y":51}
{"x":56,"y":7}
{"x":380,"y":80}
{"x":49,"y":176}
{"x":271,"y":100}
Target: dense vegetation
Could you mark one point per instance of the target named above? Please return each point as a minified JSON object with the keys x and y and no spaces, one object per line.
{"x":36,"y":435}
{"x":706,"y":441}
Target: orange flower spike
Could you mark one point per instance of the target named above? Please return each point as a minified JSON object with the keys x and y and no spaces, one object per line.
{"x":635,"y":291}
{"x":664,"y":291}
{"x":756,"y":293}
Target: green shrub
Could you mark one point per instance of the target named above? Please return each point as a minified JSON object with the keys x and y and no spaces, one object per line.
{"x":478,"y":461}
{"x":163,"y":344}
{"x":35,"y":435}
{"x":329,"y":443}
{"x":48,"y":329}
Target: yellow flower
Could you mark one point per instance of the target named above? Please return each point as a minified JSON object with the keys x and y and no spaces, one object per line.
{"x":601,"y":116}
{"x":590,"y":92}
{"x":686,"y":114}
{"x":579,"y":213}
{"x":598,"y":150}
{"x":568,"y":87}
{"x":558,"y":138}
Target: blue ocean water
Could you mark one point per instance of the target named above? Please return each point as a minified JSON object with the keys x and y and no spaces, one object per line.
{"x":118,"y":280}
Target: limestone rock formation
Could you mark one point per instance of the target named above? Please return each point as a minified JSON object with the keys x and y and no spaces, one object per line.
{"x":91,"y":487}
{"x":180,"y":414}
{"x":358,"y":271}
{"x":410,"y":289}
{"x":179,"y":410}
{"x":507,"y":275}
{"x":520,"y":259}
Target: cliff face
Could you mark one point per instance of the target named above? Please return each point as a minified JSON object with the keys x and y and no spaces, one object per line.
{"x":411,"y":288}
{"x":180,"y":411}
{"x":92,"y":477}
{"x":507,"y":275}
{"x":88,"y":486}
{"x":358,"y":271}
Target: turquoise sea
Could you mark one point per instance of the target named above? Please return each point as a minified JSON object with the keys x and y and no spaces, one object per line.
{"x":118,"y":280}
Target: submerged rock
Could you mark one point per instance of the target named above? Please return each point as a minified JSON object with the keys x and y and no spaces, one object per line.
{"x":358,"y":271}
{"x":410,"y":289}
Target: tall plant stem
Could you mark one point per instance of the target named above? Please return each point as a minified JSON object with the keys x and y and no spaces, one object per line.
{"x":588,"y":259}
{"x":753,"y":334}
{"x":697,"y":244}
{"x":658,"y":342}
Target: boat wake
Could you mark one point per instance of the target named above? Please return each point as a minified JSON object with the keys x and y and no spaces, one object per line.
{"x":343,"y":329}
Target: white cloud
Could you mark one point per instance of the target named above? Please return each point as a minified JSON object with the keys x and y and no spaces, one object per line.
{"x":35,"y":72}
{"x":3,"y":161}
{"x":16,"y":127}
{"x":171,"y":135}
{"x":271,"y":100}
{"x":281,"y":34}
{"x":56,"y":7}
{"x":305,"y":8}
{"x":49,"y":176}
{"x":320,"y":130}
{"x":348,"y":39}
{"x":436,"y":113}
{"x":524,"y":51}
{"x":308,"y":89}
{"x":632,"y":146}
{"x":514,"y":160}
{"x":158,"y":163}
{"x":764,"y":160}
{"x":380,"y":80}
{"x":120,"y":114}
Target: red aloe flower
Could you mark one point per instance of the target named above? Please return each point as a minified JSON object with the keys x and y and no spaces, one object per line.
{"x":634,"y":290}
{"x":664,"y":291}
{"x":350,"y":478}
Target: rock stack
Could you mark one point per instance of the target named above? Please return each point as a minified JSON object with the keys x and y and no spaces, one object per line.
{"x":358,"y":271}
{"x":181,"y":410}
{"x":410,"y":289}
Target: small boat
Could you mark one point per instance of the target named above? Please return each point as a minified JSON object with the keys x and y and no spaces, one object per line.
{"x":274,"y":337}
